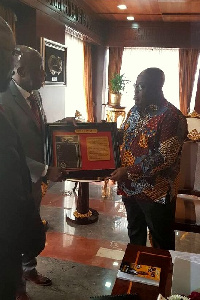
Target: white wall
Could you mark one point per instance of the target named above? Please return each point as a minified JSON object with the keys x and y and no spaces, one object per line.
{"x":53,"y":98}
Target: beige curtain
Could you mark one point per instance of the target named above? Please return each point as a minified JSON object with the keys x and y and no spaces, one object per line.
{"x":115,"y":62}
{"x":9,"y":16}
{"x":88,"y":81}
{"x":197,"y":98}
{"x":188,"y":59}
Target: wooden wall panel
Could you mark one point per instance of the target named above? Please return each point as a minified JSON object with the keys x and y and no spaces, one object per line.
{"x":49,"y":28}
{"x":154,"y":34}
{"x":76,"y":18}
{"x":25,"y":26}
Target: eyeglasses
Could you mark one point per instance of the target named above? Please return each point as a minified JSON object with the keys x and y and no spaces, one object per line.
{"x":138,"y":87}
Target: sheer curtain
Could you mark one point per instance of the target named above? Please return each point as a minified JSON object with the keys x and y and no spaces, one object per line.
{"x":135,"y":60}
{"x":188,"y":60}
{"x":195,"y":99}
{"x":75,"y":93}
{"x":115,"y":62}
{"x":88,"y":81}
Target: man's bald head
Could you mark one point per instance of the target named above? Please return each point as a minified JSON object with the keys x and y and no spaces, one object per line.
{"x":7,"y":46}
{"x":153,"y":77}
{"x":29,"y":72}
{"x":28,"y":58}
{"x":148,"y":89}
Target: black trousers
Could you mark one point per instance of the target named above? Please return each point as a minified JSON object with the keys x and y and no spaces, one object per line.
{"x":159,"y":218}
{"x":10,"y":268}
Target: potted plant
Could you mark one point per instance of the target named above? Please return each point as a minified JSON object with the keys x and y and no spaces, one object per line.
{"x":116,"y":87}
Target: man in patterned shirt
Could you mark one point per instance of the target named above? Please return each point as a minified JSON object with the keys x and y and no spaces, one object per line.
{"x":154,"y":132}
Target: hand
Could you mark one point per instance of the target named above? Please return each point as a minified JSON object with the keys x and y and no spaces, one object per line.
{"x":119,"y":174}
{"x":54,"y":174}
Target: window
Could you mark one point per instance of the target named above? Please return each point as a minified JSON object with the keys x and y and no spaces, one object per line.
{"x":135,"y":60}
{"x":75,"y":93}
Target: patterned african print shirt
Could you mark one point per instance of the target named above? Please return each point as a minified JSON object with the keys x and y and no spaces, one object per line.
{"x":151,"y":150}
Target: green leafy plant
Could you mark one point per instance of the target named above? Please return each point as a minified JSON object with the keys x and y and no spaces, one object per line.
{"x":117,"y":83}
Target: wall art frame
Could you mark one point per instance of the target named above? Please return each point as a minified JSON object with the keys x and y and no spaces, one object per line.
{"x":55,"y":61}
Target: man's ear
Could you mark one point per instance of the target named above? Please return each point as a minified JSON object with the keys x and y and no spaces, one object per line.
{"x":21,"y":71}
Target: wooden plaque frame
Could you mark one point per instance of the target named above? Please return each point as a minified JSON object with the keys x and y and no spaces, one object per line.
{"x":90,"y":150}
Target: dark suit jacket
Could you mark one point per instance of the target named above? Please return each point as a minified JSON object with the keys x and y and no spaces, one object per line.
{"x":17,"y":210}
{"x":32,"y":137}
{"x":21,"y":116}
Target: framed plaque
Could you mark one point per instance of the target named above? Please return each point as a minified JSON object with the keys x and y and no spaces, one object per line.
{"x":55,"y":57}
{"x":88,"y":149}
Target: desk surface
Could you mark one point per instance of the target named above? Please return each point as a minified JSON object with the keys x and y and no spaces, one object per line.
{"x":84,"y":180}
{"x":185,"y":255}
{"x":187,"y":213}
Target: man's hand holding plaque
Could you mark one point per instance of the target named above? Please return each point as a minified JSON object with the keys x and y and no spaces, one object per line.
{"x":54,"y":174}
{"x":57,"y":174}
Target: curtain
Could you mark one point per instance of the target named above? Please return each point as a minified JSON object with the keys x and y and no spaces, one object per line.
{"x":88,"y":81}
{"x":188,"y":59}
{"x":197,"y":98}
{"x":9,"y":16}
{"x":115,"y":62}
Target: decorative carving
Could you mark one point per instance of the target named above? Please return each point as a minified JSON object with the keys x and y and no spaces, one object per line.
{"x":75,"y":33}
{"x":79,"y":215}
{"x":194,"y":135}
{"x":73,"y":12}
{"x":194,"y":114}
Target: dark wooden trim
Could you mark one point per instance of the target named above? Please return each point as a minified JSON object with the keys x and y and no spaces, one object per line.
{"x":73,"y":16}
{"x":116,"y":33}
{"x":154,"y":34}
{"x":187,"y":227}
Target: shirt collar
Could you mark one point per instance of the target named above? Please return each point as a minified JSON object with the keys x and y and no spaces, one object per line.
{"x":24,"y":93}
{"x":153,"y":109}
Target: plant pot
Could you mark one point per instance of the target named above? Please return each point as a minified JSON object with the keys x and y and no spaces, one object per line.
{"x":115,"y":99}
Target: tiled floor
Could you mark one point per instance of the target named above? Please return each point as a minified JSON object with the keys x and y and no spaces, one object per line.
{"x":82,"y":260}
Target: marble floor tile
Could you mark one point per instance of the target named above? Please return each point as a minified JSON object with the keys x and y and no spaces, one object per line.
{"x":94,"y":252}
{"x":71,"y":281}
{"x":107,"y":227}
{"x":83,"y":260}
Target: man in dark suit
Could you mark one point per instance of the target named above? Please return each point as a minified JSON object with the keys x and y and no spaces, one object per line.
{"x":23,"y":106}
{"x":21,"y":229}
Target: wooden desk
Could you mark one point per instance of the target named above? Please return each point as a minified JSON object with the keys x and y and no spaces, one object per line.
{"x":151,"y":257}
{"x":187,"y":216}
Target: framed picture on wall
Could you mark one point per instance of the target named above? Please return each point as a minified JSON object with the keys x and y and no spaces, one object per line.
{"x":55,"y":57}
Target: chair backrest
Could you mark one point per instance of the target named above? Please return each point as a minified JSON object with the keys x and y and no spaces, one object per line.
{"x":190,"y":160}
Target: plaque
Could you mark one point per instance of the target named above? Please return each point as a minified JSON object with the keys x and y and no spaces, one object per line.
{"x":67,"y":151}
{"x":89,"y":149}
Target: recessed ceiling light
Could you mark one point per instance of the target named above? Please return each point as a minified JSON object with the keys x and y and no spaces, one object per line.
{"x":122,"y":6}
{"x":130,"y":18}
